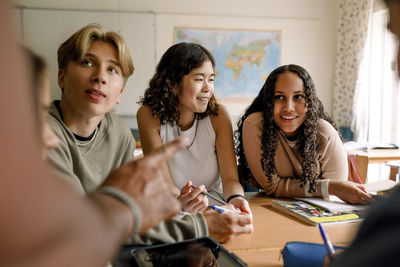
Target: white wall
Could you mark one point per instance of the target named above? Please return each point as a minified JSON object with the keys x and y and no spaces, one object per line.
{"x":308,"y":30}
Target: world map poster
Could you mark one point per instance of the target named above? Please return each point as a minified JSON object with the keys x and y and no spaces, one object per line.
{"x":243,"y":59}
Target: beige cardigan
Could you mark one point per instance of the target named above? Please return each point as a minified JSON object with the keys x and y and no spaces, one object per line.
{"x":332,"y":159}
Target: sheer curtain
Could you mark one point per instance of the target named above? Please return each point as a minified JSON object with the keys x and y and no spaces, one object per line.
{"x":365,"y":83}
{"x":380,"y":85}
{"x":375,"y":112}
{"x":354,"y":21}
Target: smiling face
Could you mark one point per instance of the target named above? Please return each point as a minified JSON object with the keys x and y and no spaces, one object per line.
{"x":196,"y":89}
{"x":93,"y":84}
{"x":289,"y":103}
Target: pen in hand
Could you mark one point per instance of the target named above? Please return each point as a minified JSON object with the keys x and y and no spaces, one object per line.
{"x":222,"y":209}
{"x":213,"y":197}
{"x":327,"y":242}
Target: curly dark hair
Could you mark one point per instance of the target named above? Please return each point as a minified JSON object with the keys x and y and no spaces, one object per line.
{"x":178,"y":61}
{"x":307,"y":135}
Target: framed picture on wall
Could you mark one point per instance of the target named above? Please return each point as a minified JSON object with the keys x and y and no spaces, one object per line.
{"x":243,"y":58}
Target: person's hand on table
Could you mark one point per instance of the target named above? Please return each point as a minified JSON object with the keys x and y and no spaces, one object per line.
{"x":193,"y":200}
{"x":241,"y":204}
{"x":144,"y":182}
{"x":224,"y":226}
{"x":349,"y":192}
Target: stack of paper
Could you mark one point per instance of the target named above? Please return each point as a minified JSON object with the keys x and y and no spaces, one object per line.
{"x":333,"y":204}
{"x":351,"y":145}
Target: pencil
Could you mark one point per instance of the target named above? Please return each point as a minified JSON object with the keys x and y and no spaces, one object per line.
{"x":211,"y":196}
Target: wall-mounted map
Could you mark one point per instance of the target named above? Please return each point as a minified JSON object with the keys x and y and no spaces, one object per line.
{"x":243,"y":58}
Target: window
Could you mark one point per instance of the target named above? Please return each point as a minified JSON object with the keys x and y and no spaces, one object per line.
{"x":383,"y":112}
{"x":378,"y":102}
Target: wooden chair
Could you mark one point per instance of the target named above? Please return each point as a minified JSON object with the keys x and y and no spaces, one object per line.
{"x":357,"y":174}
{"x":394,"y":169}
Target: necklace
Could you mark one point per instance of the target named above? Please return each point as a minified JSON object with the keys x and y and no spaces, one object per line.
{"x":90,"y":138}
{"x":195,"y":133}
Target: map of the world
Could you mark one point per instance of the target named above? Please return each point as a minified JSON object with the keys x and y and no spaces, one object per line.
{"x":243,"y":59}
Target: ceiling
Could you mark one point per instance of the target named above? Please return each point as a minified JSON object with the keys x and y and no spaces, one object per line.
{"x":253,"y":8}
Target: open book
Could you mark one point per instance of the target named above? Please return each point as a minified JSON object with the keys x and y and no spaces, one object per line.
{"x":312,"y":214}
{"x":336,"y":204}
{"x":332,"y":204}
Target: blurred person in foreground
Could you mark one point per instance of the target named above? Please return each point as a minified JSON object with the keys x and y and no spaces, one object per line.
{"x":45,"y":222}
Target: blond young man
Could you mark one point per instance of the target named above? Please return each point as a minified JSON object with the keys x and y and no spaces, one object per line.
{"x":94,"y":66}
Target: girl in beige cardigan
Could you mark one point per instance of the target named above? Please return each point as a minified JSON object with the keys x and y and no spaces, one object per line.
{"x":287,"y":145}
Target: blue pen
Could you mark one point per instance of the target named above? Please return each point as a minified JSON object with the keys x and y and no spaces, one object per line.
{"x":327,"y":242}
{"x":220,"y":209}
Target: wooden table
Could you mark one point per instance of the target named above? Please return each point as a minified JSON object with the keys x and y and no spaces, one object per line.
{"x":364,"y":158}
{"x":272,"y":229}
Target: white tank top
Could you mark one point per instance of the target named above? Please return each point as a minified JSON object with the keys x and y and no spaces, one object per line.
{"x":197,"y":163}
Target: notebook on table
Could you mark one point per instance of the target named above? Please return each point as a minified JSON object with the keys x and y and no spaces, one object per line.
{"x":336,"y":204}
{"x":313,"y":214}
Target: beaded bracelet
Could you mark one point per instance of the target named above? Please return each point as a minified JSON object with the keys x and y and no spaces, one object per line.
{"x":233,"y":196}
{"x":126,"y":199}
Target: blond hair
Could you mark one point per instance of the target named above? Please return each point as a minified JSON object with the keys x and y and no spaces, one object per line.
{"x":76,"y":47}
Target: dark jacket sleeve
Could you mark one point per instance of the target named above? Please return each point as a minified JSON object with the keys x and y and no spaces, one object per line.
{"x":178,"y":228}
{"x":378,"y":240}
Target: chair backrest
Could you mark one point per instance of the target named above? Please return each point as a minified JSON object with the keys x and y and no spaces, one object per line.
{"x":354,"y":174}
